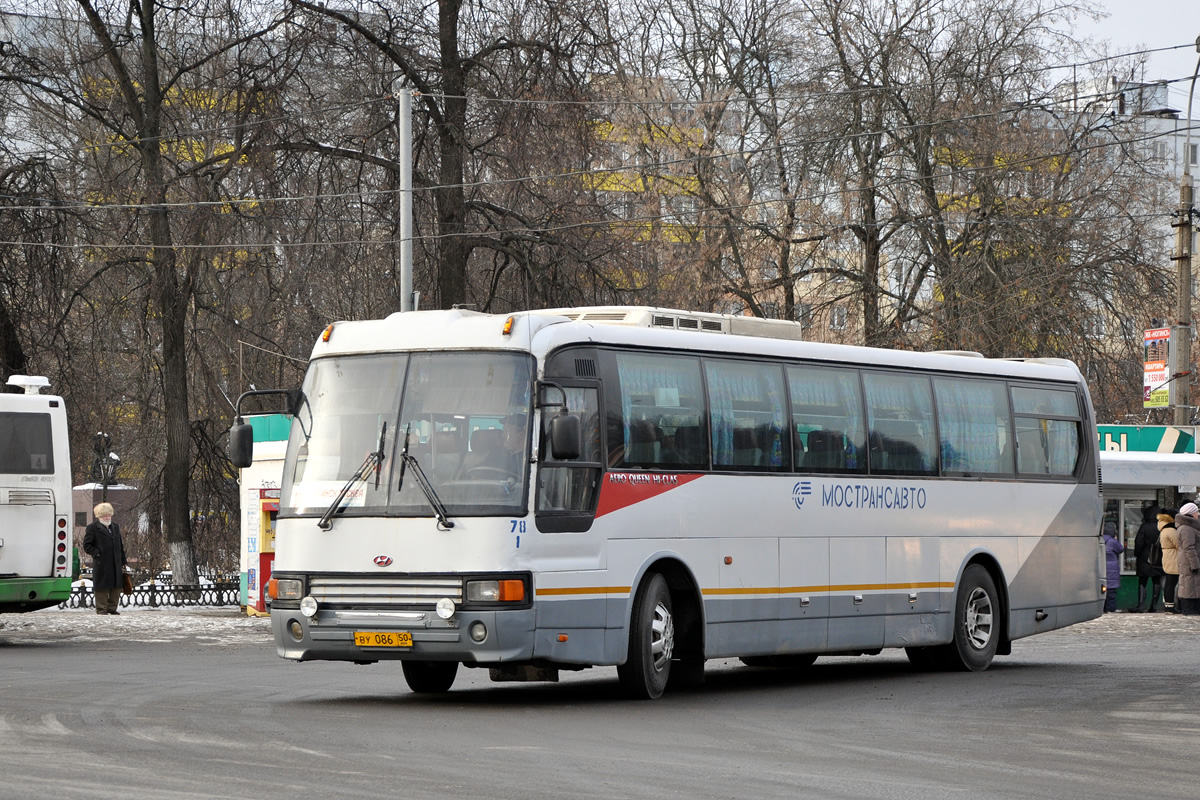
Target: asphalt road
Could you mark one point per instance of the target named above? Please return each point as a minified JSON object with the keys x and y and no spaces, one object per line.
{"x":170,"y":704}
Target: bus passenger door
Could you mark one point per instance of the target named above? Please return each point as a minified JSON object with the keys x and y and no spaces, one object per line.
{"x":857,"y":592}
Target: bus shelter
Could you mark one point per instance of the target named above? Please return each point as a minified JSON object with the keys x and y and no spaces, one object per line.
{"x":1135,"y":481}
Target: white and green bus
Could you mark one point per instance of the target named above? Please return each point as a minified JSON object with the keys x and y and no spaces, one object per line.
{"x":37,"y":555}
{"x":556,"y":490}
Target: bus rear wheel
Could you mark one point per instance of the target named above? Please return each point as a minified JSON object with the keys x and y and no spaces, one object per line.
{"x":976,"y":621}
{"x":647,"y":668}
{"x":429,"y":677}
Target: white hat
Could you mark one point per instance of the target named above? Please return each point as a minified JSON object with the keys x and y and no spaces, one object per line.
{"x":1189,"y":509}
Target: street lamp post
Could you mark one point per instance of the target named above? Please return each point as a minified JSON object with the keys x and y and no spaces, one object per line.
{"x":1182,"y":351}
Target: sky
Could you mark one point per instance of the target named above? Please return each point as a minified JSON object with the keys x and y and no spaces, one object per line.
{"x":1150,"y":24}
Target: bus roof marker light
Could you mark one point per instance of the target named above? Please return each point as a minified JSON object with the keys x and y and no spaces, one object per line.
{"x":325,"y":334}
{"x":445,"y":608}
{"x":508,"y":325}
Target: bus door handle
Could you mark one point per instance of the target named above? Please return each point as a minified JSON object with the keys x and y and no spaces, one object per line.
{"x":858,"y":598}
{"x":804,"y":601}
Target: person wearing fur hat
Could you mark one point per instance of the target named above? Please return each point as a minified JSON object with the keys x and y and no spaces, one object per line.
{"x":102,"y":541}
{"x":1187,"y":525}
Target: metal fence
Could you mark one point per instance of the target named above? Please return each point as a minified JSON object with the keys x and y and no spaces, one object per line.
{"x":156,"y":596}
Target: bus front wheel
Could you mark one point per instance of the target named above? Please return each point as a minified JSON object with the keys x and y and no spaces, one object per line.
{"x":647,"y":668}
{"x":429,"y":677}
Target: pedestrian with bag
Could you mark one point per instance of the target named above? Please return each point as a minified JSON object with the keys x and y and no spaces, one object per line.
{"x":1187,"y":523}
{"x":1148,"y":556}
{"x":1168,"y":540}
{"x":102,"y":541}
{"x":1112,"y":557}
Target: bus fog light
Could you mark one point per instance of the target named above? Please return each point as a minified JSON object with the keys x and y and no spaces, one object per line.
{"x":308,"y":606}
{"x":296,"y":629}
{"x":478,"y":631}
{"x":445,"y":608}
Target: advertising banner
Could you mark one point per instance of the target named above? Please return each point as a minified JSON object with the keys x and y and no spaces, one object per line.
{"x":1156,"y":372}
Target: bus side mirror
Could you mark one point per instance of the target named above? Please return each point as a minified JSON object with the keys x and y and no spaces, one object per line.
{"x":241,"y":445}
{"x":565,"y":437}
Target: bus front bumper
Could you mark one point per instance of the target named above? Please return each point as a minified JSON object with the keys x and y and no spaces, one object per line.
{"x":508,"y":635}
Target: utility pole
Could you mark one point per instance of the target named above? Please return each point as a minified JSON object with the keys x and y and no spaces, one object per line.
{"x":406,"y":198}
{"x":1181,"y":352}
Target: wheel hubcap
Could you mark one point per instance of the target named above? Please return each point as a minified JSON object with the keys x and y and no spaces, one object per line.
{"x":662,"y":637}
{"x":978,"y":618}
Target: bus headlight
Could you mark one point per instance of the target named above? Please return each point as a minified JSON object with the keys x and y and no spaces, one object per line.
{"x":445,"y":608}
{"x":308,"y":606}
{"x":285,"y":589}
{"x":496,"y":591}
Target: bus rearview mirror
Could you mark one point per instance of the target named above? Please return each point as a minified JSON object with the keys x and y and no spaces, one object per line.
{"x":565,"y":437}
{"x":241,"y":445}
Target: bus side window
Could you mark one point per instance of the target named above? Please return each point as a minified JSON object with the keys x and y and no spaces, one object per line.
{"x":1048,"y":424}
{"x":900,"y":416}
{"x":658,"y":396}
{"x":827,"y":420}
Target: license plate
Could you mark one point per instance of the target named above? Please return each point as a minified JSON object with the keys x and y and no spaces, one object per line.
{"x":383,"y":638}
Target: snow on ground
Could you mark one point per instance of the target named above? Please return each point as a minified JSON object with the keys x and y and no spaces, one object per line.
{"x":219,"y":625}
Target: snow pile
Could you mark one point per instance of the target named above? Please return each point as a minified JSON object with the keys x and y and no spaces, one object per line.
{"x":219,"y":626}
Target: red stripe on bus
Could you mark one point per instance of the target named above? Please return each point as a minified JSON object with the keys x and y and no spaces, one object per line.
{"x":622,"y":489}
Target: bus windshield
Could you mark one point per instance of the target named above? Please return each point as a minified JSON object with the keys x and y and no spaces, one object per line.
{"x":465,"y":415}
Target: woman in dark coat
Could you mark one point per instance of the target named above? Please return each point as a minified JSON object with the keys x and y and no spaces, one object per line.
{"x":1112,"y":557}
{"x":1147,"y":570}
{"x":102,"y":541}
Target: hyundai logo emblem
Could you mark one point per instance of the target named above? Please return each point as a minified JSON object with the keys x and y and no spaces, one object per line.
{"x":383,"y":561}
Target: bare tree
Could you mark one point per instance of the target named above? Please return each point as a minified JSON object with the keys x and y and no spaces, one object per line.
{"x":139,"y":88}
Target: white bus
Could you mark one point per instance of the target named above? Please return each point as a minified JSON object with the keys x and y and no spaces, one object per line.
{"x":536,"y":493}
{"x":37,"y":556}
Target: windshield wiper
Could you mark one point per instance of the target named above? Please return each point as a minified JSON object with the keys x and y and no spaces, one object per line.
{"x":374,"y":460}
{"x":427,"y":489}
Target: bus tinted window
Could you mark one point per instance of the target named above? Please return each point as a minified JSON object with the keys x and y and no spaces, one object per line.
{"x":900,"y":419}
{"x":1045,"y":445}
{"x":26,"y":444}
{"x":827,"y":421}
{"x":746,"y":415}
{"x":1045,"y":402}
{"x":661,"y":422}
{"x":973,"y":423}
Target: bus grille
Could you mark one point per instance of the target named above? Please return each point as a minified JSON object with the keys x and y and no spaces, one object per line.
{"x":30,"y":497}
{"x":384,"y":591}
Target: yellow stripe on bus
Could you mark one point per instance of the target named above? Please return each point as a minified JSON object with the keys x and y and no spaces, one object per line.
{"x":586,"y":590}
{"x":848,"y":587}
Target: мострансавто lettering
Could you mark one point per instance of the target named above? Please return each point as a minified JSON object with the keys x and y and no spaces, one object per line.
{"x":858,"y":495}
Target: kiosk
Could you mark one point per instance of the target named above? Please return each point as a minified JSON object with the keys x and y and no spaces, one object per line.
{"x":1143,"y":467}
{"x":259,"y":506}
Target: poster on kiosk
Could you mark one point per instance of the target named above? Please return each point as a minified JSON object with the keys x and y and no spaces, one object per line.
{"x":260,"y":547}
{"x":260,"y":505}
